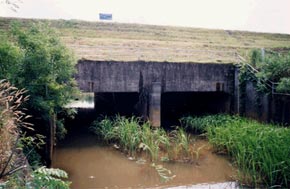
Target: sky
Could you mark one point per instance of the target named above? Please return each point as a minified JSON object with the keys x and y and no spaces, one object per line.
{"x":271,"y":16}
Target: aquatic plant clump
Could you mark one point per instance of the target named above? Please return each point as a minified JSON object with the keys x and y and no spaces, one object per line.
{"x":261,"y":151}
{"x":133,"y":136}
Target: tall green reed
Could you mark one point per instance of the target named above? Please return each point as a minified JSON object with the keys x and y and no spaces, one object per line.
{"x":261,"y":151}
{"x":105,"y":129}
{"x":128,"y":133}
{"x":181,"y":142}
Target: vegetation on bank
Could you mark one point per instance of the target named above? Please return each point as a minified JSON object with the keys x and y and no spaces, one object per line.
{"x":269,"y":72}
{"x":274,"y":67}
{"x":36,"y":60}
{"x":260,"y":151}
{"x":15,"y":171}
{"x":33,"y":59}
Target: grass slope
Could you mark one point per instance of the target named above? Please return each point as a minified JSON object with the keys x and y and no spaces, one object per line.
{"x":130,"y":42}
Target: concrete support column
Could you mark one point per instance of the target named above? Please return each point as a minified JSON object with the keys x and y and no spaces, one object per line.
{"x":155,"y":105}
{"x":236,"y":91}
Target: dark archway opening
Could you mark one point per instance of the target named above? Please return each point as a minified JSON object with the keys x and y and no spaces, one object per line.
{"x":121,"y":103}
{"x":106,"y":104}
{"x":175,"y":105}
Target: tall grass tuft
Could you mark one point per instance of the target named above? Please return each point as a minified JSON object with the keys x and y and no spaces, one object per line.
{"x":261,"y":151}
{"x":105,"y":129}
{"x":181,"y":142}
{"x":132,"y":135}
{"x":128,"y":133}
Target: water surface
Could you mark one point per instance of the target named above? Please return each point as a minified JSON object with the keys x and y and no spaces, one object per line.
{"x":92,"y":165}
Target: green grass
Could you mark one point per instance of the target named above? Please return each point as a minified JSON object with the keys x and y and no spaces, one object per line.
{"x":131,"y":42}
{"x":260,"y":151}
{"x":126,"y":132}
{"x":134,"y":136}
{"x":182,"y":142}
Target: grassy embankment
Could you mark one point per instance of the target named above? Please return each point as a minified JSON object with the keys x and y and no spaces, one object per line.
{"x":131,"y":42}
{"x":260,"y":151}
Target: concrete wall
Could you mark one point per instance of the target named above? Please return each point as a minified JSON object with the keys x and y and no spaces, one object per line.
{"x":151,"y":79}
{"x":256,"y":105}
{"x":110,"y":76}
{"x":264,"y":107}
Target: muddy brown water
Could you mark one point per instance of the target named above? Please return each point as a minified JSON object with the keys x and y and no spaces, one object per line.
{"x":91,"y":165}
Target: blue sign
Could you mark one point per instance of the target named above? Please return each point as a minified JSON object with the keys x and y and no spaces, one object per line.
{"x":103,"y":16}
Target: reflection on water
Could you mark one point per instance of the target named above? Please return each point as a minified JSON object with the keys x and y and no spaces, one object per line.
{"x":80,"y":104}
{"x":85,"y":100}
{"x":91,"y":165}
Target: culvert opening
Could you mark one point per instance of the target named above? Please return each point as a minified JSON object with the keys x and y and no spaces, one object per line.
{"x":119,"y":103}
{"x":175,"y":105}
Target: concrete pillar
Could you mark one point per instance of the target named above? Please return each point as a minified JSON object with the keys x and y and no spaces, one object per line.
{"x":236,"y":91}
{"x":155,"y":105}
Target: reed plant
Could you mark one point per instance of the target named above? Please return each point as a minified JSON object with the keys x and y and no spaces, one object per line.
{"x":199,"y":125}
{"x":105,"y":129}
{"x":260,"y":151}
{"x":128,"y":133}
{"x":149,"y":142}
{"x":132,"y":135}
{"x":181,"y":142}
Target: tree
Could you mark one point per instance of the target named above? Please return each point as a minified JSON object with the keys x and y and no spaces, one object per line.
{"x":35,"y":59}
{"x":10,"y":59}
{"x":46,"y":70}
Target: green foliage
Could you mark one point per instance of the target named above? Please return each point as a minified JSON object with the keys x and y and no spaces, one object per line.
{"x":200,"y":124}
{"x":284,"y":85}
{"x":153,"y":140}
{"x":132,"y":136}
{"x":260,"y":151}
{"x":36,"y":60}
{"x":135,"y":137}
{"x":182,"y":141}
{"x":128,"y":131}
{"x":10,"y":60}
{"x":14,"y":143}
{"x":256,"y":57}
{"x":47,"y":68}
{"x":275,"y":68}
{"x":104,"y":129}
{"x":40,"y":178}
{"x":48,"y":178}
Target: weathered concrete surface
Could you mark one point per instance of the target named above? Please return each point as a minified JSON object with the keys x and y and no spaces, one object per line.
{"x":155,"y":104}
{"x":110,"y":76}
{"x":151,"y":79}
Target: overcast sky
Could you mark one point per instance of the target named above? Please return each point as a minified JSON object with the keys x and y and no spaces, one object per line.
{"x":252,"y":15}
